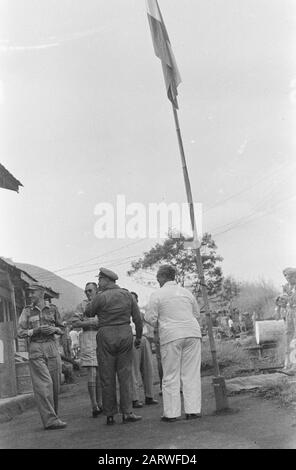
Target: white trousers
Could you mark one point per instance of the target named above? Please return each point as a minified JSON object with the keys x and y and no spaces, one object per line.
{"x":181,"y":367}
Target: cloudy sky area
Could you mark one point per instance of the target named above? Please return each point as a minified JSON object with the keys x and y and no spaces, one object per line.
{"x":84,"y":117}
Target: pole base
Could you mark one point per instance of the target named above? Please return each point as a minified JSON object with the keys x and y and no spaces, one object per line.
{"x":220,"y":394}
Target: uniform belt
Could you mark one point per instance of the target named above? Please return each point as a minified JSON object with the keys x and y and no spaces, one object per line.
{"x":45,"y":340}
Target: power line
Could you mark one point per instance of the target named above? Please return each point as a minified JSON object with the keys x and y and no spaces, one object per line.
{"x":46,"y":276}
{"x":259,"y":216}
{"x":258,"y":206}
{"x":52,"y":277}
{"x":248,"y":188}
{"x":65,"y":268}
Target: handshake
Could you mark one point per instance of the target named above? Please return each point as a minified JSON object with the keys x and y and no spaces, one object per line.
{"x":137,"y":343}
{"x":48,"y":330}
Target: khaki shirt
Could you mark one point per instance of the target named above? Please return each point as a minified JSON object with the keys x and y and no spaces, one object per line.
{"x":115,"y":306}
{"x":33,"y":317}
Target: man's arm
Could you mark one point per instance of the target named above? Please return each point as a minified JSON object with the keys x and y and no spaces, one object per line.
{"x":23,"y":326}
{"x":151,"y":314}
{"x":80,"y":321}
{"x":95,"y":305}
{"x":76,"y":323}
{"x":195,"y":308}
{"x":136,"y":317}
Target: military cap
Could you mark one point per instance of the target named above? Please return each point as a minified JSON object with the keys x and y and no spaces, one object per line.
{"x":35,"y":286}
{"x":107,"y":273}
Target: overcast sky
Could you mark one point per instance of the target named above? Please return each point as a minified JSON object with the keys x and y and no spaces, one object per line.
{"x":84,"y":117}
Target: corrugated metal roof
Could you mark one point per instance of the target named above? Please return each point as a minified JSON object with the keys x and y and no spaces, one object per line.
{"x":28,"y":279}
{"x":10,"y":263}
{"x":7,"y":180}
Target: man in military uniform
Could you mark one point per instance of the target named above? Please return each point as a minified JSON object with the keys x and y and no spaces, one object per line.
{"x":39,"y":323}
{"x":114,"y":308}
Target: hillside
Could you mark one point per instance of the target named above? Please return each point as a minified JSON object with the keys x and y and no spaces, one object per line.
{"x":70,"y":294}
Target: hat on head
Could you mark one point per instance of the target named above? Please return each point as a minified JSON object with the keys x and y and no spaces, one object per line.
{"x":35,"y":286}
{"x":104,"y":272}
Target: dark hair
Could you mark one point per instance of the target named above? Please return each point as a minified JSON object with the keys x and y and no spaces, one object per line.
{"x":168,"y":271}
{"x":91,"y":284}
{"x":135,"y":294}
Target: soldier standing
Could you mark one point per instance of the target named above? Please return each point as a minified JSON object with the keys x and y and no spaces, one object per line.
{"x":114,"y":308}
{"x":39,"y":323}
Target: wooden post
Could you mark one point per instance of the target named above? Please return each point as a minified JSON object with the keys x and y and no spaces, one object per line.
{"x":218,"y":381}
{"x":8,"y":387}
{"x":13,"y":304}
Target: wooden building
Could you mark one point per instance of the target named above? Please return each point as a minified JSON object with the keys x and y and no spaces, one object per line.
{"x":8,"y":181}
{"x":13,"y":294}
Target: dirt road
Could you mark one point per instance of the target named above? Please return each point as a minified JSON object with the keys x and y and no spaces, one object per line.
{"x":255,"y":423}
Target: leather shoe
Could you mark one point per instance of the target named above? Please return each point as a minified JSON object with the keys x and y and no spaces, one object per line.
{"x":110,"y":420}
{"x":130,"y":418}
{"x":150,"y":401}
{"x":168,"y":420}
{"x":97,"y":411}
{"x":137,"y":404}
{"x":57,"y":425}
{"x":193,"y":415}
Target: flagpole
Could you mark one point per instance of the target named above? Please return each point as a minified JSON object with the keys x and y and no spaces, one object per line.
{"x":218,"y":381}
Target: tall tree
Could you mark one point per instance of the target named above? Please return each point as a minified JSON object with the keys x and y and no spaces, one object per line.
{"x":173,"y":251}
{"x":230,"y":290}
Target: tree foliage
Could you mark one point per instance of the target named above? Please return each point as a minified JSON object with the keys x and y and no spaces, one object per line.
{"x":230,"y":290}
{"x":259,"y":297}
{"x":173,"y":251}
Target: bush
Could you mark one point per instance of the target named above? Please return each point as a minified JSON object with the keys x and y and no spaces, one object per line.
{"x":284,"y":392}
{"x":229,"y":353}
{"x":257,"y":297}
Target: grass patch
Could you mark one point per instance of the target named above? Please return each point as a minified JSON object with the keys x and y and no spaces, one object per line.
{"x":230,"y":354}
{"x":235,"y":360}
{"x":284,"y":393}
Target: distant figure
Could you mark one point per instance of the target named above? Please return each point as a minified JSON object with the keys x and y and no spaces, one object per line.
{"x":231,"y":327}
{"x":255,"y":318}
{"x":142,"y":367}
{"x":242,"y":323}
{"x":176,"y":312}
{"x":75,"y":346}
{"x":65,"y":350}
{"x":281,"y":303}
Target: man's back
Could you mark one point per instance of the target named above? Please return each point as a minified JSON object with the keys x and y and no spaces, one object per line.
{"x":177,"y":312}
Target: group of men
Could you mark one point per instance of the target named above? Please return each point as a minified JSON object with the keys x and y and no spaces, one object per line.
{"x":116,"y":352}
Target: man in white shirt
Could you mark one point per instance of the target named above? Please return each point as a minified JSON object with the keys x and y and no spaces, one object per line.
{"x":176,"y":312}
